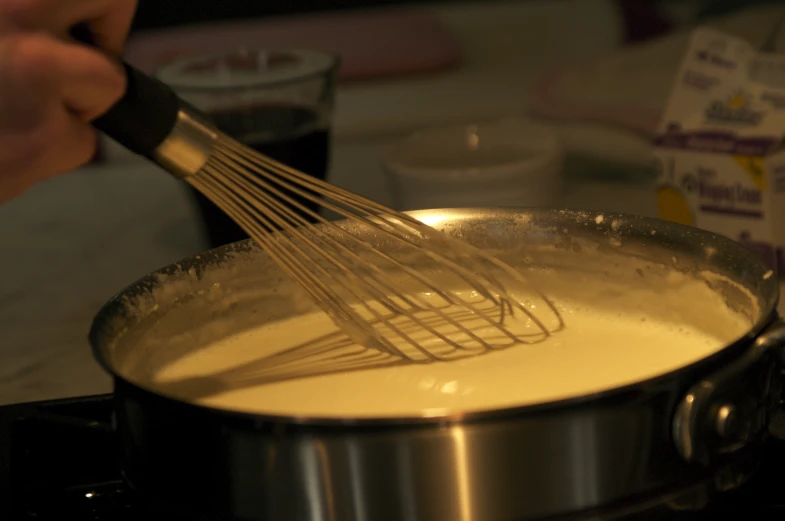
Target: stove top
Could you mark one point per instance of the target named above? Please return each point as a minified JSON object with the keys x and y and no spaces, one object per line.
{"x":57,"y":461}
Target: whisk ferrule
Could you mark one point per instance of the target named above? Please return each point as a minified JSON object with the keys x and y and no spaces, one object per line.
{"x":188,"y":147}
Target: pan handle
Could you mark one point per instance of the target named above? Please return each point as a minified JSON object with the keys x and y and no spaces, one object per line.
{"x":733,"y":407}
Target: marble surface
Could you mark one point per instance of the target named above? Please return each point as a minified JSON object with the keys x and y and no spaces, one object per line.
{"x":68,"y":245}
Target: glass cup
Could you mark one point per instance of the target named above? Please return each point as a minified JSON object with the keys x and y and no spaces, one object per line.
{"x":278,"y":102}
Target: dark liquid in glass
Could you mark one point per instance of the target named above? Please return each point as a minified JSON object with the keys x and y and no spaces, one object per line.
{"x":290,"y":134}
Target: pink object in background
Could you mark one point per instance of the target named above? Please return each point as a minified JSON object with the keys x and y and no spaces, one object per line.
{"x":375,"y":44}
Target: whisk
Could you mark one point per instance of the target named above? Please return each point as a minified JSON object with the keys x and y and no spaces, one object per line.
{"x":380,"y":298}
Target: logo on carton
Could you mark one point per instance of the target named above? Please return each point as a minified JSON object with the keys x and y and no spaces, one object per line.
{"x":735,"y":109}
{"x":718,"y":196}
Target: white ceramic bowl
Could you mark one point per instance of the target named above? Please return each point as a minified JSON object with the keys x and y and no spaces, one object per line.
{"x":508,"y":162}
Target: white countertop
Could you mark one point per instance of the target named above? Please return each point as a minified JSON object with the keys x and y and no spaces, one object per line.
{"x":71,"y":243}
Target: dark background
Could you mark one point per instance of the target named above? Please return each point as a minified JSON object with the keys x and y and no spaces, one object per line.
{"x":167,"y":13}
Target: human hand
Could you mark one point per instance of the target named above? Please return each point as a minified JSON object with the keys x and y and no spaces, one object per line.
{"x":52,"y":87}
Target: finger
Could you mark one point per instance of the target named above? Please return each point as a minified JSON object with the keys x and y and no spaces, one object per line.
{"x":39,"y":73}
{"x":49,"y":89}
{"x":91,"y":82}
{"x":111,"y":29}
{"x":52,"y":15}
{"x":110,"y":19}
{"x":66,"y":143}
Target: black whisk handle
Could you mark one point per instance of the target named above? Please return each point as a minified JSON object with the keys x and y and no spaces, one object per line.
{"x":144,"y":117}
{"x":146,"y":114}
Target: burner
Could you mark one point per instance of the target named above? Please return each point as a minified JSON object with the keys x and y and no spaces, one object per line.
{"x":57,"y":461}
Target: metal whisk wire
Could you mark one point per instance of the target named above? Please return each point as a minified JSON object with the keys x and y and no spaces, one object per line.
{"x":377,"y":299}
{"x":257,"y":192}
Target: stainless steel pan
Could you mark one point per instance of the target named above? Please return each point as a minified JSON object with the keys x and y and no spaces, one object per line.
{"x":692,"y":431}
